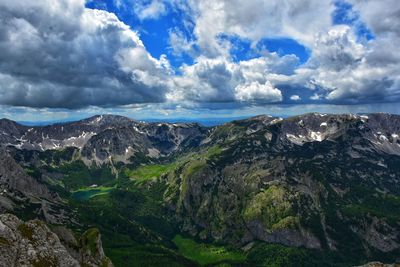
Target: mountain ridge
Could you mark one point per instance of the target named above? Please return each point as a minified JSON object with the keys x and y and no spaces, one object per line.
{"x":325,"y":183}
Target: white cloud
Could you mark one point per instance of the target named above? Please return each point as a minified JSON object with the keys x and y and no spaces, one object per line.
{"x":337,"y":49}
{"x":256,"y":91}
{"x":352,"y":72}
{"x":342,"y":67}
{"x":295,"y":97}
{"x":221,"y":80}
{"x":179,"y":43}
{"x":151,"y":10}
{"x":208,"y":80}
{"x":382,"y":16}
{"x":61,"y":54}
{"x":316,"y":97}
{"x":257,"y":19}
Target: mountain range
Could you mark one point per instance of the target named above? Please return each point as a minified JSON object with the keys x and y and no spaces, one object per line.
{"x":310,"y":190}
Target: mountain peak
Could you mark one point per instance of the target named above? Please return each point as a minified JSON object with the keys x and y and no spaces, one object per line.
{"x":106,"y":119}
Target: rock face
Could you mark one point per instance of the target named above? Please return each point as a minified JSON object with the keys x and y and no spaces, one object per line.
{"x":20,"y":191}
{"x":32,"y":243}
{"x":316,"y":181}
{"x":379,"y":264}
{"x":91,"y":250}
{"x":15,"y":182}
{"x":104,"y":136}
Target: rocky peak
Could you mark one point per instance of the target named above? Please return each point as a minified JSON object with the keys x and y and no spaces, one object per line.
{"x":109,"y":120}
{"x":32,"y":243}
{"x":10,"y":130}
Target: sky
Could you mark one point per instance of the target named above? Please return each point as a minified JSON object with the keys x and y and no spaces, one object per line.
{"x":158,"y":59}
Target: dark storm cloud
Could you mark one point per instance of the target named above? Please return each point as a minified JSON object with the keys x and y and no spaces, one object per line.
{"x":59,"y":54}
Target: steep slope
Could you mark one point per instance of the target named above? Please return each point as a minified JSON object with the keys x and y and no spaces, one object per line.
{"x":320,"y":184}
{"x":15,"y":182}
{"x":32,"y":243}
{"x":316,"y":181}
{"x":144,"y":140}
{"x":21,"y":193}
{"x":103,"y":137}
{"x":70,"y":134}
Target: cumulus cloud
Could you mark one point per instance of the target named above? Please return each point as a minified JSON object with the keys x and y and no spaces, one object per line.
{"x":337,"y":49}
{"x":382,"y":17}
{"x":208,"y":80}
{"x":316,"y":96}
{"x":150,"y":10}
{"x":257,"y":19}
{"x":179,"y":43}
{"x":295,"y":97}
{"x":221,"y":80}
{"x":61,"y":54}
{"x":256,"y":91}
{"x":353,"y":72}
{"x":343,"y":68}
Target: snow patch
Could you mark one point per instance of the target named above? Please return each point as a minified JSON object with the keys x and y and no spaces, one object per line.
{"x":383,"y":137}
{"x":298,"y":140}
{"x":317,"y":136}
{"x":137,"y":130}
{"x":275,"y":121}
{"x":364,"y":118}
{"x":98,"y":119}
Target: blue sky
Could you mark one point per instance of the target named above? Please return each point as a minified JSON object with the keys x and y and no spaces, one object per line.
{"x":155,"y":33}
{"x":197,"y":59}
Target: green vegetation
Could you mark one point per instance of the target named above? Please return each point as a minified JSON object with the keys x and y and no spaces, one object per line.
{"x":77,"y":175}
{"x":136,"y":210}
{"x":190,"y":169}
{"x":45,"y":262}
{"x":26,"y":231}
{"x":4,"y":241}
{"x":58,"y":156}
{"x":147,"y":172}
{"x":135,"y":227}
{"x":374,"y":203}
{"x":274,"y":255}
{"x":105,"y":262}
{"x":145,"y":255}
{"x":229,"y":132}
{"x":35,"y":173}
{"x":194,"y":167}
{"x":86,"y":193}
{"x":206,"y":254}
{"x":89,"y":239}
{"x":273,"y":208}
{"x":213,"y":152}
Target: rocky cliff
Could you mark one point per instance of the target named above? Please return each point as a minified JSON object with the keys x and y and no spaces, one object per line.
{"x":318,"y":181}
{"x":33,"y":243}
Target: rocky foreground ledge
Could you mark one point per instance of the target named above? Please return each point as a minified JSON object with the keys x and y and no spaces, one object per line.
{"x":379,"y":264}
{"x":32,"y":243}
